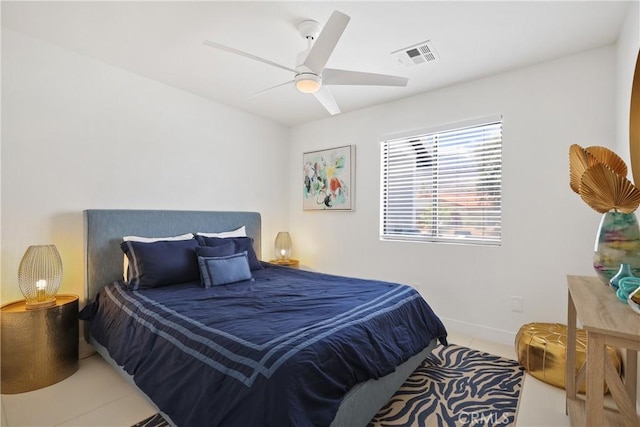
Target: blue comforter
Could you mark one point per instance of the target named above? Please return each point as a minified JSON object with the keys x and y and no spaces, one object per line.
{"x":279,"y":351}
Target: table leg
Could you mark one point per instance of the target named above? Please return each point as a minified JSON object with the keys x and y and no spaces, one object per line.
{"x":570,"y":363}
{"x":631,"y":374}
{"x":595,"y":379}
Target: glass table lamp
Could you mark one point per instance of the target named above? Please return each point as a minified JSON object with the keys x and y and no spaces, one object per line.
{"x":39,"y":276}
{"x":283,"y":246}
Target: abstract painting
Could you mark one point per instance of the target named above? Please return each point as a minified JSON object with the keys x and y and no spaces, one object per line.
{"x":328,"y":179}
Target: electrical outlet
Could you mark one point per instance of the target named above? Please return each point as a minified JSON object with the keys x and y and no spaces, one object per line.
{"x":516,"y":304}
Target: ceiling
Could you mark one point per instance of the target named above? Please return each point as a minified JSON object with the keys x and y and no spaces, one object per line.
{"x":163,"y":41}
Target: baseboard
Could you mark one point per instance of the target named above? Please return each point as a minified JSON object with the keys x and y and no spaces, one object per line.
{"x":479,"y":331}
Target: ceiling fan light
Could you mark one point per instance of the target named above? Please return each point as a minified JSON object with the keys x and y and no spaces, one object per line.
{"x":307,"y":83}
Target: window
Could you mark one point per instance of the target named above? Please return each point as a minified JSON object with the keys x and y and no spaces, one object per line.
{"x":444,"y":186}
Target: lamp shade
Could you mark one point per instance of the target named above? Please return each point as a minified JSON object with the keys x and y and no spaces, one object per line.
{"x":39,"y":275}
{"x":283,"y":246}
{"x":307,"y":83}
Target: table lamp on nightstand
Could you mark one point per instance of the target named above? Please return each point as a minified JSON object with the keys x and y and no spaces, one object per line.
{"x":283,"y":246}
{"x":39,"y":276}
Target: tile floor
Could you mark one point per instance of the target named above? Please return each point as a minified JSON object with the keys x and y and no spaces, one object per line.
{"x":97,"y":396}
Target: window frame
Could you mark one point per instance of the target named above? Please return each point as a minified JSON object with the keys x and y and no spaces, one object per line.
{"x":437,"y":132}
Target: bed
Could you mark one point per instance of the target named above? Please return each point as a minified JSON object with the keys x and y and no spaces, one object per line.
{"x":287,"y":347}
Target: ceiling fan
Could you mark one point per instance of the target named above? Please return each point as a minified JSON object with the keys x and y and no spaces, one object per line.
{"x":310,"y":74}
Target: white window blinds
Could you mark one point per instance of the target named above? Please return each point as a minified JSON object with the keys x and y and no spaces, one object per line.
{"x":444,"y":186}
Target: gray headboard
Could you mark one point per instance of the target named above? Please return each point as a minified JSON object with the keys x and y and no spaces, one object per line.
{"x":104,"y":229}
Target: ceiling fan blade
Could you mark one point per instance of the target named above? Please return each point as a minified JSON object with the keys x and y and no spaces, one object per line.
{"x":326,"y":99}
{"x":332,"y":76}
{"x":272,"y":87}
{"x":245,"y":54}
{"x":325,"y":43}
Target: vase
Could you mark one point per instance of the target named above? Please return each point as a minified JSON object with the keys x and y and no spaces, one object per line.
{"x":617,"y":242}
{"x":623,"y":271}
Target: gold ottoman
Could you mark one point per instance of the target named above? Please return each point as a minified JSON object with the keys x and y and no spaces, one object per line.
{"x":542,"y":350}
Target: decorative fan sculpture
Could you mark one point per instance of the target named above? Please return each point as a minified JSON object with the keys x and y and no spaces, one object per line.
{"x":598,"y":175}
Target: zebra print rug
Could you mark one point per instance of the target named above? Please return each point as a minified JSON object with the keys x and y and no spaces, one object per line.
{"x":454,"y":386}
{"x":153,"y":421}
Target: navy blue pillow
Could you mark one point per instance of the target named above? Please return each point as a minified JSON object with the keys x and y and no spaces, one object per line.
{"x":224,"y":270}
{"x":242,"y":244}
{"x":227,"y":249}
{"x":161,"y":263}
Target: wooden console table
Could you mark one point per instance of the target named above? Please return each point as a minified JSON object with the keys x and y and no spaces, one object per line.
{"x":607,"y":321}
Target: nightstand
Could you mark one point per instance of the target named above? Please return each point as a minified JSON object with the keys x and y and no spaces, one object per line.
{"x":291,"y":263}
{"x":39,"y":346}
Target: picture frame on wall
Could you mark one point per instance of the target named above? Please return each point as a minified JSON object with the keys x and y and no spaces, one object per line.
{"x":328,"y":179}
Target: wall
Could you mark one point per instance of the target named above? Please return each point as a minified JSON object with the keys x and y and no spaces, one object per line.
{"x":548,"y":231}
{"x":78,"y":134}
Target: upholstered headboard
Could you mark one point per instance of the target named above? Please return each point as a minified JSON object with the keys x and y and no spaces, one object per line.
{"x":104,"y":229}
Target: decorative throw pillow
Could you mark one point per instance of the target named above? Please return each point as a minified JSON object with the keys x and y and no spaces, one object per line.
{"x":215,"y":251}
{"x":238,"y":232}
{"x":224,"y":270}
{"x":154,"y":264}
{"x":242,"y":244}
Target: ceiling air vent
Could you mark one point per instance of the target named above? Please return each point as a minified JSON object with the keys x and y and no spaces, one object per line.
{"x":417,"y":54}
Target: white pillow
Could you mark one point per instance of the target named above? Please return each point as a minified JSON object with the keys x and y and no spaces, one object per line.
{"x":238,"y":232}
{"x":125,"y":262}
{"x":187,"y":236}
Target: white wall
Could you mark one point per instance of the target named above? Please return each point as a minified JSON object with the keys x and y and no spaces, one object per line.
{"x":78,"y":134}
{"x":548,"y":231}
